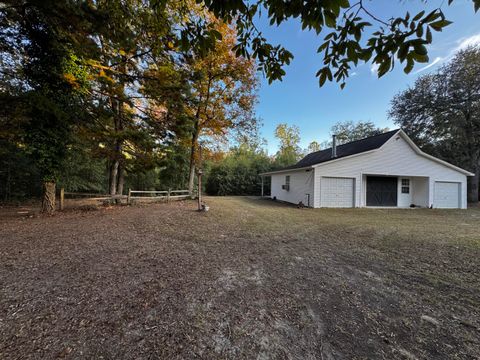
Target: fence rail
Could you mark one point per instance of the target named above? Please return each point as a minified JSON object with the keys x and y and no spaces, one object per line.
{"x":132,"y":195}
{"x":162,"y":194}
{"x":86,"y":194}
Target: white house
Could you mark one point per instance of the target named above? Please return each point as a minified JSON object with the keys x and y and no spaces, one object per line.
{"x":386,"y":170}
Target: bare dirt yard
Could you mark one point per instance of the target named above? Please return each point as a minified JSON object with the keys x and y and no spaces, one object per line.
{"x":250,"y":279}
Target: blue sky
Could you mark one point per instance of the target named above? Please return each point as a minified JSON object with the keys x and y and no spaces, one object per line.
{"x":299,"y":100}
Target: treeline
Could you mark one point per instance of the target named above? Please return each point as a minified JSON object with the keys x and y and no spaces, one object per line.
{"x":100,"y":96}
{"x":236,"y":172}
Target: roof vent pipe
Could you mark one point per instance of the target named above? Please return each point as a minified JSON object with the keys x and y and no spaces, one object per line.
{"x":334,"y":146}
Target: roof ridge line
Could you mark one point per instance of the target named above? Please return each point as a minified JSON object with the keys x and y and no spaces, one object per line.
{"x":351,"y":142}
{"x":369,"y":137}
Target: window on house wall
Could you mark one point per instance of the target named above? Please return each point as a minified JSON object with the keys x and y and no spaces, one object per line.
{"x":287,"y":183}
{"x":405,"y":186}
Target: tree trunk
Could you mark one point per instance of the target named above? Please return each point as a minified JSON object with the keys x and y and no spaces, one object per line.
{"x":191,"y":178}
{"x":121,"y":180}
{"x":116,"y":102}
{"x":8,"y":183}
{"x":199,"y":191}
{"x":193,"y":150}
{"x":473,"y":184}
{"x":48,"y":200}
{"x":113,"y":177}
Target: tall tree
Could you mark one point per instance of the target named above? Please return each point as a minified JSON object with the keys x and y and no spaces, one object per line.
{"x":289,"y":150}
{"x":350,"y":131}
{"x":314,"y":146}
{"x":223,"y":92}
{"x":442,"y":113}
{"x":135,"y":84}
{"x":36,"y":38}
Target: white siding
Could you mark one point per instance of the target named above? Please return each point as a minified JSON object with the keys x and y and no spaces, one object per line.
{"x":301,"y":184}
{"x":420,"y":192}
{"x":395,"y":158}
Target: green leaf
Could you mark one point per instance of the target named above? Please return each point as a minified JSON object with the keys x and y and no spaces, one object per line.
{"x":409,"y":67}
{"x":403,"y":51}
{"x":420,"y":58}
{"x":476,"y":5}
{"x":323,"y":77}
{"x":419,"y":31}
{"x":432,"y":16}
{"x":429,"y":36}
{"x":330,"y":19}
{"x":384,"y":66}
{"x":420,"y":49}
{"x":439,"y":25}
{"x":323,"y":47}
{"x":419,"y":15}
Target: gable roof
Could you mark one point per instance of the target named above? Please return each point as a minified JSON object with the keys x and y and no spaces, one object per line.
{"x":351,"y":148}
{"x":370,"y":143}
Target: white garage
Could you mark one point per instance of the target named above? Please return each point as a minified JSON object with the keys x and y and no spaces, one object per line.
{"x":446,"y":195}
{"x":385,"y":170}
{"x":337,"y":192}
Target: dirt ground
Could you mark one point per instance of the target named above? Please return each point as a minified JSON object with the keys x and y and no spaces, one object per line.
{"x":250,"y":279}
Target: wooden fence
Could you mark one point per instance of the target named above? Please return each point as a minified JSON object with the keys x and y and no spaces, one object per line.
{"x":133,"y":195}
{"x":157,"y":195}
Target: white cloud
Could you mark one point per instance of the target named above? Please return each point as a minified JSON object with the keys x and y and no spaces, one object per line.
{"x":461,"y":44}
{"x":354,"y":74}
{"x":433,"y":63}
{"x":466,"y":42}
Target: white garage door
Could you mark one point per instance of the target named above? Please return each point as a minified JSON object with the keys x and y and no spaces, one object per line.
{"x":336,"y":192}
{"x":447,"y":195}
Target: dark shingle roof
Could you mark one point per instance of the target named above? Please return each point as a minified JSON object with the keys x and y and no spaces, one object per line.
{"x":351,"y":148}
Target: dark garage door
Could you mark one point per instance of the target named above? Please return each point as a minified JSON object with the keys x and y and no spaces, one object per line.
{"x":381,"y":191}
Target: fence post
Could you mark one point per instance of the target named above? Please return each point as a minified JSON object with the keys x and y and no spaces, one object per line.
{"x":168,"y":196}
{"x":129,"y":196}
{"x":62,"y":198}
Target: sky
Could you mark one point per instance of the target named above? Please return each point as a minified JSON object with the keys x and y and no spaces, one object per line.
{"x":299,"y":100}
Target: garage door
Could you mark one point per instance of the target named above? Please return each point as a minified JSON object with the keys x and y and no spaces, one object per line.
{"x":381,"y":191}
{"x":446,"y":195}
{"x":336,"y":192}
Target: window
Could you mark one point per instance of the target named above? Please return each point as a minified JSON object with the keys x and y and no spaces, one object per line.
{"x":405,"y":186}
{"x":287,"y":183}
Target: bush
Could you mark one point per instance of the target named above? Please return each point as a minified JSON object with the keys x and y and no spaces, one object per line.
{"x":237,"y":173}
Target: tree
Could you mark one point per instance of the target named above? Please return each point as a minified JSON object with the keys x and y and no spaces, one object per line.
{"x":237,"y":173}
{"x":78,"y":71}
{"x":35,"y":38}
{"x":289,"y":151}
{"x":223,"y":92}
{"x":348,"y":131}
{"x":314,"y":146}
{"x":441,"y":112}
{"x":401,"y":38}
{"x":137,"y":86}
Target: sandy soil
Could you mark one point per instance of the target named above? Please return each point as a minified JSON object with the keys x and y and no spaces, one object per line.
{"x":250,"y":279}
